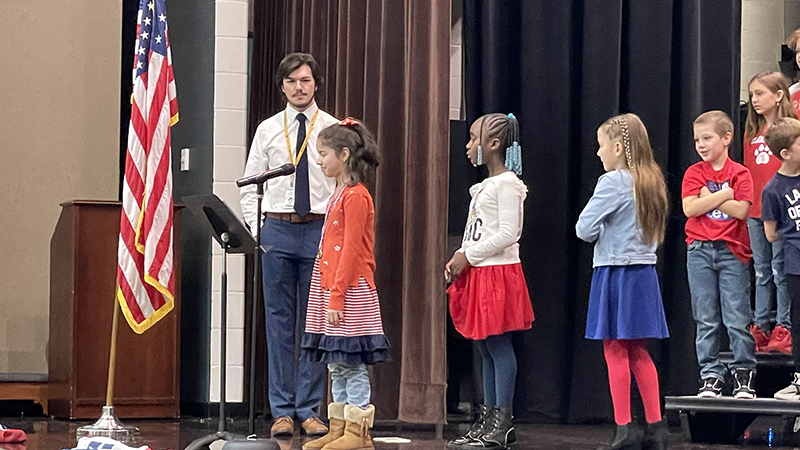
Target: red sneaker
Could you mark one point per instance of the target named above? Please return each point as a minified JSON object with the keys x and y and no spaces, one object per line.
{"x":761,"y":337}
{"x":781,"y":340}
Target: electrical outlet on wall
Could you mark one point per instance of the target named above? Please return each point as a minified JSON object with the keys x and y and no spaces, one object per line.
{"x":184,"y":160}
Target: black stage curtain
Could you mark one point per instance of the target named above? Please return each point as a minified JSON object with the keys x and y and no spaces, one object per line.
{"x":563,"y":67}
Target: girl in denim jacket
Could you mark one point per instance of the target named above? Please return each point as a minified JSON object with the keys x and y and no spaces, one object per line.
{"x":626,"y":219}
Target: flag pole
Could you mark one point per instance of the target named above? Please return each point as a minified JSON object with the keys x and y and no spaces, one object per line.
{"x":108,"y":425}
{"x":112,"y":357}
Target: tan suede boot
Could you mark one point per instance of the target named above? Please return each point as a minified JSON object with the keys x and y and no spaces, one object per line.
{"x":335,"y":428}
{"x":356,"y":431}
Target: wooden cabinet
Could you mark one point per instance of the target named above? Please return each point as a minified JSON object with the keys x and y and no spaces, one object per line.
{"x":83,"y":268}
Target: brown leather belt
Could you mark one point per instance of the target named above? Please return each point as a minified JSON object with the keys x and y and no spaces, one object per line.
{"x":294,"y":217}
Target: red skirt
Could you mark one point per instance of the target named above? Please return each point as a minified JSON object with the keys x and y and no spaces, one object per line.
{"x":490,"y":300}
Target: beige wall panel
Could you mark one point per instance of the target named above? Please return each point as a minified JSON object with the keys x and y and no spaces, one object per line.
{"x":762,"y":35}
{"x":59,"y":123}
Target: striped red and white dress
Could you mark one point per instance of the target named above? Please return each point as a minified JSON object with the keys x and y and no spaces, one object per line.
{"x":358,"y":339}
{"x":362,"y":309}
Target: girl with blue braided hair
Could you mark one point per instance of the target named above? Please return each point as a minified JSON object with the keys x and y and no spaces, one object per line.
{"x":489,"y":296}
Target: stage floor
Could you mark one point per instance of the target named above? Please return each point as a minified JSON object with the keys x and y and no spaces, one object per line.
{"x":175,"y":435}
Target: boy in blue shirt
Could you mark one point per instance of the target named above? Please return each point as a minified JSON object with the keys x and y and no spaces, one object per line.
{"x":781,"y":215}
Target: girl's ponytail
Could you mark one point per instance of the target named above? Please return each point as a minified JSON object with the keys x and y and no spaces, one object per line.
{"x":364,"y":158}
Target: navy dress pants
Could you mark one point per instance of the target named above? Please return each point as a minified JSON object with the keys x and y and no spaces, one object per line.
{"x":295,"y":387}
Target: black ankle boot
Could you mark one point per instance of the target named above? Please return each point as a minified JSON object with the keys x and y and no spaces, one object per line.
{"x":656,"y":436}
{"x":499,"y":431}
{"x":482,"y":414}
{"x":627,"y":437}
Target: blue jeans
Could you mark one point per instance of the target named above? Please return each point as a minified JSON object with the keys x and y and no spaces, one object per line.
{"x":295,"y":387}
{"x":768,"y":265}
{"x":350,"y":384}
{"x":793,"y":283}
{"x":720,"y":288}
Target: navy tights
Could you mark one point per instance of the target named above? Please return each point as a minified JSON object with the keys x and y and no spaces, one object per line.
{"x":499,"y":370}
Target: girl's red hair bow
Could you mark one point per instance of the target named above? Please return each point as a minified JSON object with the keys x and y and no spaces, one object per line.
{"x":349,"y":121}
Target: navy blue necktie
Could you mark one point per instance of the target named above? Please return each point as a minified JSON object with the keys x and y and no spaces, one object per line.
{"x":302,"y":202}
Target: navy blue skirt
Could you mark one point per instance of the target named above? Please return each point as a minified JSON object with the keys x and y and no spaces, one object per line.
{"x":625,"y":303}
{"x":353,"y":350}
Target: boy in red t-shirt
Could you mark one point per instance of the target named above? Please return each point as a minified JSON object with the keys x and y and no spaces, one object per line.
{"x":717,"y":193}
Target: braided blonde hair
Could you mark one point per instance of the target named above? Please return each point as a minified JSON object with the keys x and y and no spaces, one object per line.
{"x":649,"y":188}
{"x":626,"y":141}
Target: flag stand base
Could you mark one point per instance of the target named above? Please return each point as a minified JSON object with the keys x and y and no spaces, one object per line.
{"x":109,"y":426}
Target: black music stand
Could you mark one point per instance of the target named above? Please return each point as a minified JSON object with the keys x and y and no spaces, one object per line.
{"x":221,"y":223}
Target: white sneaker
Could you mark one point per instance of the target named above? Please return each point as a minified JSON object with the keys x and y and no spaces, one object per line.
{"x":791,"y":392}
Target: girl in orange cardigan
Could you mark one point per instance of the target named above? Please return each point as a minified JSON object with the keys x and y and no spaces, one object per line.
{"x":343,"y":320}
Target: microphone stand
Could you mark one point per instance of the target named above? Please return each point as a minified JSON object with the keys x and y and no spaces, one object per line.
{"x":231,"y":441}
{"x":252,"y":442}
{"x":256,"y":297}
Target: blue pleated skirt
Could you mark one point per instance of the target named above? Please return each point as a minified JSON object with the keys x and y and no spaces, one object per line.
{"x":625,"y":303}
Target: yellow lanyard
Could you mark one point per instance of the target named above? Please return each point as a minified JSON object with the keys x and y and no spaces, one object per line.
{"x":292,"y":159}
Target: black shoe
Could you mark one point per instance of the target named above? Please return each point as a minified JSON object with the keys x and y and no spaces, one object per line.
{"x":499,"y":433}
{"x":627,"y":437}
{"x":743,"y":387}
{"x":712,"y":387}
{"x":482,"y":414}
{"x":656,"y":436}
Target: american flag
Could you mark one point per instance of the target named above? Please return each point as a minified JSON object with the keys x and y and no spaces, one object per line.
{"x":103,"y":443}
{"x":145,"y":278}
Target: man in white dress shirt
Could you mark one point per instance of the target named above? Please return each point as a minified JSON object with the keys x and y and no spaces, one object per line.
{"x":294,"y":209}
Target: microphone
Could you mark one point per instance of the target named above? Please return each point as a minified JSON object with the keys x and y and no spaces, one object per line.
{"x":286,"y":169}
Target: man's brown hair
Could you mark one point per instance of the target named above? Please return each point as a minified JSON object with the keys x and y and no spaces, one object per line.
{"x":294,"y":61}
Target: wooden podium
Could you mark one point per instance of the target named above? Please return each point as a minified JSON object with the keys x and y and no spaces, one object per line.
{"x":83,"y":270}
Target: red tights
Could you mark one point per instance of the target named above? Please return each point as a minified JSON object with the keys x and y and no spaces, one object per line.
{"x":624,"y":356}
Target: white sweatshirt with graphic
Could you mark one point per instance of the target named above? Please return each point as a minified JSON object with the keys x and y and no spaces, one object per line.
{"x":494,"y":224}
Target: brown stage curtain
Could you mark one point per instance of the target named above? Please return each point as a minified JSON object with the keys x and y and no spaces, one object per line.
{"x":387,"y":63}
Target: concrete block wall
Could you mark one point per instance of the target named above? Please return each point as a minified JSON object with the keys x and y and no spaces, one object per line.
{"x":765,"y":26}
{"x":230,"y":139}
